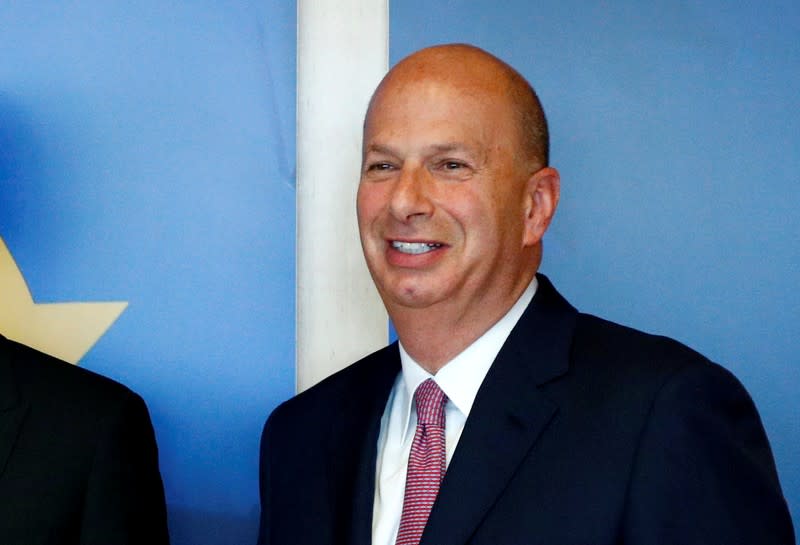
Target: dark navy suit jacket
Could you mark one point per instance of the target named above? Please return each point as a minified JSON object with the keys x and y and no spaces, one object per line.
{"x":584,"y":432}
{"x":78,"y":460}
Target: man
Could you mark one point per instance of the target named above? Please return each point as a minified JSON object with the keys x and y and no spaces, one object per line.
{"x":78,"y":459}
{"x":553,"y":427}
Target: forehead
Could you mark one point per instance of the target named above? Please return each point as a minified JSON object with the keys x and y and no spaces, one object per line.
{"x":437,"y":108}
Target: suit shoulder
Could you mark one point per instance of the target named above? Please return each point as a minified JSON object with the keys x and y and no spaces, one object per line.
{"x":368,"y":372}
{"x":626,"y":355}
{"x":40,"y":376}
{"x":599,"y":336}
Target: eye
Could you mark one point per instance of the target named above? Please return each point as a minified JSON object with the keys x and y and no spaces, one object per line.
{"x":452,"y":165}
{"x":380,"y":166}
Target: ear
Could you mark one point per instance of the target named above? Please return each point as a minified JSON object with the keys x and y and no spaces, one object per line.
{"x":541,"y":199}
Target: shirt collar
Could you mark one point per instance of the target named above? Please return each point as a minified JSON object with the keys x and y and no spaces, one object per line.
{"x":461,"y":377}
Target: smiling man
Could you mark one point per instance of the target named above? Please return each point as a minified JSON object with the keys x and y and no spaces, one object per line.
{"x":502,"y":415}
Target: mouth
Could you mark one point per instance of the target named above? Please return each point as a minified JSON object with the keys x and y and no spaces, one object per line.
{"x":415,"y":248}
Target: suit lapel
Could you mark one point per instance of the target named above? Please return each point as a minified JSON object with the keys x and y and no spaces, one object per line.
{"x":508,"y":416}
{"x":353,"y":446}
{"x":12,"y":407}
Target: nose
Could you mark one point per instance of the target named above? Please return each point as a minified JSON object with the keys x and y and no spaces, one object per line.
{"x":410,"y":198}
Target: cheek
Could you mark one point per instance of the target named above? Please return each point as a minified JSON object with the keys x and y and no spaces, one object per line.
{"x":474,"y":213}
{"x":507,"y":213}
{"x":367,"y":204}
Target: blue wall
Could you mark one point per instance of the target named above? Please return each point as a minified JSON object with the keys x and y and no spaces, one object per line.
{"x":675,"y":127}
{"x":147,"y":155}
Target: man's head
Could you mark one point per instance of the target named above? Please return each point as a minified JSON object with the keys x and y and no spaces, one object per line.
{"x":470,"y":62}
{"x":455,"y":192}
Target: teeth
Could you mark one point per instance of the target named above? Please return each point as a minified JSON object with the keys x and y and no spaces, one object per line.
{"x":415,"y":247}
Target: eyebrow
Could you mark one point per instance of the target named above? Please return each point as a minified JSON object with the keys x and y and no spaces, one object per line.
{"x":378,"y":148}
{"x":434,"y":148}
{"x":448,"y":146}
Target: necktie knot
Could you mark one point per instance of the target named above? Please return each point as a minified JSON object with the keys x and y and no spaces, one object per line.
{"x":430,"y":400}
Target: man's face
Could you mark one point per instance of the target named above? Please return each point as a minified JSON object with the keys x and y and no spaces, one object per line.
{"x":442,"y":197}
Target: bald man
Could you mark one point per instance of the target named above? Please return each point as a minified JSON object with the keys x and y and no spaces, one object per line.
{"x":503,"y":416}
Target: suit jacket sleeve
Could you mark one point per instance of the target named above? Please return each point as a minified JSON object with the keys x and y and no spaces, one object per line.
{"x":704,"y":473}
{"x":124,"y":502}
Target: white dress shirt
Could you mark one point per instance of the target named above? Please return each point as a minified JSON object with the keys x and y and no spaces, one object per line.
{"x":460,"y":380}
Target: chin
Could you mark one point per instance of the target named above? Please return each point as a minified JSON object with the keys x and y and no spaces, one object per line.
{"x":411,"y":296}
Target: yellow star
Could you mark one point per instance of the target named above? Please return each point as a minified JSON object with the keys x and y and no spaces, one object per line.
{"x":63,"y":330}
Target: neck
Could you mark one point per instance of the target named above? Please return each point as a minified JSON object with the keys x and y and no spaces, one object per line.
{"x":435,"y":335}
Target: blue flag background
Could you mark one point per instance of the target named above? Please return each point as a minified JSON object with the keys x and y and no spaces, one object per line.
{"x":147,"y":156}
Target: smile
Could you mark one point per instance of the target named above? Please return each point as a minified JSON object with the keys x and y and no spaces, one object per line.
{"x":415,"y":247}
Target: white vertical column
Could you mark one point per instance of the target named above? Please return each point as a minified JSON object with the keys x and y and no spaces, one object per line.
{"x":342,"y":52}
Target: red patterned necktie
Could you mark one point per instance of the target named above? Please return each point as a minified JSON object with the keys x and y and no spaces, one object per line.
{"x":426,"y":463}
